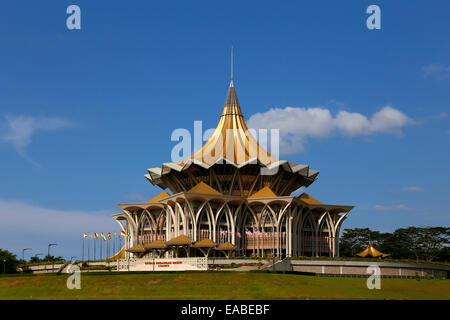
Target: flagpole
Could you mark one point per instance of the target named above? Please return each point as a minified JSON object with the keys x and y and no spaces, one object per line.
{"x":95,"y":247}
{"x":82,"y":252}
{"x":89,"y":249}
{"x":127,"y":245}
{"x":101,"y":251}
{"x":120,"y":244}
{"x":107,"y":249}
{"x":89,"y":252}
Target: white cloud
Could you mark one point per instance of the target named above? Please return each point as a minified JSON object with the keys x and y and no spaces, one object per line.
{"x":390,"y":208}
{"x":437,"y":71}
{"x":50,"y":223}
{"x":20,"y":130}
{"x":298,"y":124}
{"x":413,"y":189}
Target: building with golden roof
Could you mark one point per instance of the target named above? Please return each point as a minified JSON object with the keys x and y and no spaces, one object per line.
{"x":371,"y":252}
{"x":234,"y":193}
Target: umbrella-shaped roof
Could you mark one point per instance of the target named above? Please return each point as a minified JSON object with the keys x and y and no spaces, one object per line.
{"x":226,"y":246}
{"x":118,"y":255}
{"x":179,"y":241}
{"x":157,"y":244}
{"x":205,"y":243}
{"x":231,"y":143}
{"x":370,"y":251}
{"x":202,"y":187}
{"x":158,"y":197}
{"x":308,"y":199}
{"x":139,"y":248}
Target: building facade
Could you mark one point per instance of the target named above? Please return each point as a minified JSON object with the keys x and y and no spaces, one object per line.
{"x":233,"y":192}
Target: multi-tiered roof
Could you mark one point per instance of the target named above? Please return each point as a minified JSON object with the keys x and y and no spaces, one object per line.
{"x":232,"y":162}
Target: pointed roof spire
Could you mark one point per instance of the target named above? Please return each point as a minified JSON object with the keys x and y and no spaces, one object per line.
{"x":231,"y":133}
{"x":232,"y":106}
{"x":232,"y":65}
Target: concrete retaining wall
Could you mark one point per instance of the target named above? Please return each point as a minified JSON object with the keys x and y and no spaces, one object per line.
{"x":43,"y":268}
{"x":398,"y":269}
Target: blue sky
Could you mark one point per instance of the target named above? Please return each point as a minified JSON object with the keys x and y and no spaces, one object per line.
{"x":84,"y":113}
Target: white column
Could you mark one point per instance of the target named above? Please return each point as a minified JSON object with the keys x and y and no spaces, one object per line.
{"x":287,"y":236}
{"x":290,"y":236}
{"x":233,"y":236}
{"x":277,"y":231}
{"x":168,"y":217}
{"x":194,"y":225}
{"x":176,"y":222}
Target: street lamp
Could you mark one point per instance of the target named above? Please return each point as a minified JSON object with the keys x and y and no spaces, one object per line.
{"x":48,"y":255}
{"x":23,"y":253}
{"x":37,"y":256}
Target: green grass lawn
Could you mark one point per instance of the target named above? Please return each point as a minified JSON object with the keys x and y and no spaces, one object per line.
{"x":215,"y":285}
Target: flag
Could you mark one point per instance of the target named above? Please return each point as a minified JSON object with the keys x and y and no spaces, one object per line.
{"x":109,"y":235}
{"x":89,"y":235}
{"x":96,"y":235}
{"x":103,"y":236}
{"x":85,"y":235}
{"x":124,"y":233}
{"x":115,"y":235}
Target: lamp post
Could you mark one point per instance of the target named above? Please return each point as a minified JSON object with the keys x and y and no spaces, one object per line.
{"x":37,"y":255}
{"x":48,"y":255}
{"x":23,"y":253}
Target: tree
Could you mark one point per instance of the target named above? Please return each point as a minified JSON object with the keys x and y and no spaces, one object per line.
{"x":52,"y":258}
{"x":405,"y":243}
{"x":34,"y":259}
{"x":8,"y":262}
{"x":426,"y":243}
{"x":356,"y":240}
{"x":419,"y":243}
{"x":433,"y":240}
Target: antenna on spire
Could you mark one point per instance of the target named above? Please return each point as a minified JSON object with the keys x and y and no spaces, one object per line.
{"x":232,"y":84}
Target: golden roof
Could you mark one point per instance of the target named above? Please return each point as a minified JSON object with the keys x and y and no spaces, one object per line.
{"x":370,"y":251}
{"x":265,"y":192}
{"x":308,"y":199}
{"x":202,"y":187}
{"x":231,"y":143}
{"x":180,"y":240}
{"x":118,"y":255}
{"x":158,"y":197}
{"x":231,"y":140}
{"x":226,"y":246}
{"x":205,"y":243}
{"x":157,"y":244}
{"x":139,"y":248}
